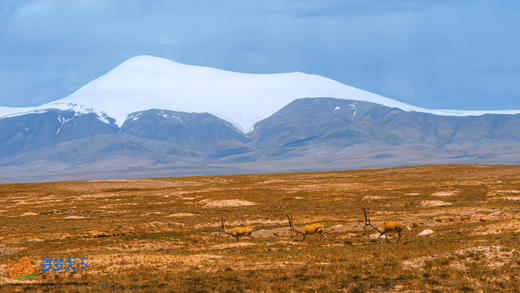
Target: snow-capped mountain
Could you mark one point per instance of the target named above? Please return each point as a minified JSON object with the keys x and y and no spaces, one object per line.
{"x":154,"y":117}
{"x":147,"y":82}
{"x":306,"y":134}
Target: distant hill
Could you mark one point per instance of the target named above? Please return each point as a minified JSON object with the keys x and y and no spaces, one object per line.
{"x":151,"y":116}
{"x":306,"y":134}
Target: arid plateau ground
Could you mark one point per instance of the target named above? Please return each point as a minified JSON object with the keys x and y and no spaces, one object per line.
{"x":155,"y":235}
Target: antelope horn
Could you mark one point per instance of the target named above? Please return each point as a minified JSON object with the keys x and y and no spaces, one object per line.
{"x":365,"y":214}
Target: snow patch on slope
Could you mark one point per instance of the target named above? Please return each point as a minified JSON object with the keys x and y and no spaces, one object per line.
{"x":147,"y":82}
{"x":8,"y":112}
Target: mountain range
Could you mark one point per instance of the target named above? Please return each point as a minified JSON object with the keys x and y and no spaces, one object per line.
{"x":154,"y":117}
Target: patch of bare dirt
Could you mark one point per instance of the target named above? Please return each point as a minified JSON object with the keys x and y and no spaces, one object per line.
{"x":75,"y":217}
{"x":150,"y":213}
{"x":426,"y":232}
{"x":512,"y":198}
{"x":371,"y":197}
{"x":28,"y":214}
{"x":34,"y":240}
{"x":444,"y":193}
{"x":434,"y":203}
{"x":226,"y":203}
{"x":178,"y":215}
{"x":505,"y":192}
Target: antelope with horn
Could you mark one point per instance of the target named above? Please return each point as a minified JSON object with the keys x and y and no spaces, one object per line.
{"x":236,"y":232}
{"x":386,"y":227}
{"x":307,"y":229}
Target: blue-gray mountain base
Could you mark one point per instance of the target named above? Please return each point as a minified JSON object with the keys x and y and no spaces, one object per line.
{"x":307,"y":134}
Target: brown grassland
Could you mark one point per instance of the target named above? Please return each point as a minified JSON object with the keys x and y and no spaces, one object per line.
{"x":155,"y":235}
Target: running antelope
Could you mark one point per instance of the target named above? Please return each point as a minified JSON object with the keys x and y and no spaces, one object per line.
{"x":386,"y":227}
{"x":307,"y":229}
{"x":238,"y":231}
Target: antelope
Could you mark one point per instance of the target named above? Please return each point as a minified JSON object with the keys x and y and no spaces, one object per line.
{"x":238,"y":231}
{"x":307,"y":229}
{"x":386,"y":227}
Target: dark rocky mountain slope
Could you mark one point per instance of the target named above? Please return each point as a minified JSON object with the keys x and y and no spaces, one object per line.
{"x":307,"y":134}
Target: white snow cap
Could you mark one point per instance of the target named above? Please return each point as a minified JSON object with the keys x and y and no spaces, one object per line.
{"x":147,"y":82}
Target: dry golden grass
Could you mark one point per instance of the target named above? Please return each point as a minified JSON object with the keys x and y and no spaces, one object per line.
{"x":154,"y":235}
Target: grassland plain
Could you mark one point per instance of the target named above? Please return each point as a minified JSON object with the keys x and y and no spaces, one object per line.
{"x":155,"y":235}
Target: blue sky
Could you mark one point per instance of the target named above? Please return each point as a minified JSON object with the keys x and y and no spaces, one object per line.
{"x":437,"y":54}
